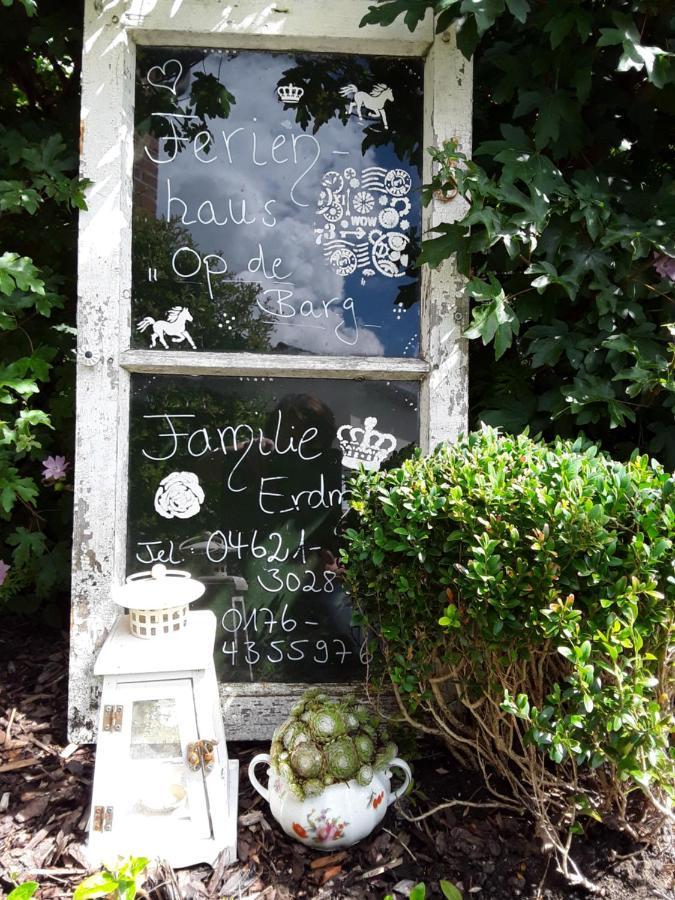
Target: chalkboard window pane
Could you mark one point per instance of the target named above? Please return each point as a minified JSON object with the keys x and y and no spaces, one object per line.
{"x":243,"y":482}
{"x":276,"y":202}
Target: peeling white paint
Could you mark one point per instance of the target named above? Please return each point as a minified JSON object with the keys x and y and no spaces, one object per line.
{"x":112,"y":29}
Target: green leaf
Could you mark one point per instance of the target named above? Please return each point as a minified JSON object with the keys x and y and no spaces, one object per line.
{"x":101,"y":884}
{"x":519,"y":9}
{"x":449,"y":891}
{"x":19,"y":273}
{"x":24,"y":891}
{"x":419,"y":892}
{"x":468,"y":37}
{"x":27,"y":544}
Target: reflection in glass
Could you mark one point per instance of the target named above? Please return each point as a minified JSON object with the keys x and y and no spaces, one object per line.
{"x":154,"y":730}
{"x":259,"y":474}
{"x":277,"y":202}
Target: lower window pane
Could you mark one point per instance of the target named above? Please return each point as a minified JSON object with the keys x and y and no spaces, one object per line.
{"x":244,"y":482}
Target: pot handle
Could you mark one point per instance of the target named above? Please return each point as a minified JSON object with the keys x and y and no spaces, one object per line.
{"x":259,"y":758}
{"x":407,"y":778}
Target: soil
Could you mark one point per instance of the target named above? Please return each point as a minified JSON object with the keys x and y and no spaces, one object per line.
{"x":44,"y":805}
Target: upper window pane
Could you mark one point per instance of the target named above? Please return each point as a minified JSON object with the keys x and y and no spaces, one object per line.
{"x":277,"y":203}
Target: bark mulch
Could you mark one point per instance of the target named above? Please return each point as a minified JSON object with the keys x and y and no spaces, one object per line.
{"x":45,"y":785}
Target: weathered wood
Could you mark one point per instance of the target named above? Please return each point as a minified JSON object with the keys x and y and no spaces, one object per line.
{"x":444,"y":402}
{"x":282,"y":366}
{"x":104,"y":272}
{"x":112,"y":30}
{"x":253,"y":711}
{"x":260,"y":25}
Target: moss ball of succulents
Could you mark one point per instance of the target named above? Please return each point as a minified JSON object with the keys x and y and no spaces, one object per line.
{"x":342,"y":758}
{"x":313,"y":787}
{"x":327,"y":741}
{"x":326,"y":723}
{"x":364,"y":747}
{"x":307,"y":760}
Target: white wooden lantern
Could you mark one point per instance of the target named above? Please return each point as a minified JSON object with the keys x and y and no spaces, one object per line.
{"x":163,"y":784}
{"x":158,"y":601}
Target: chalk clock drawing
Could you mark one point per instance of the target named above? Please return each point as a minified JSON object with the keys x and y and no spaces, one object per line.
{"x":173,"y":327}
{"x":179,"y":496}
{"x":158,"y":76}
{"x":361,"y":221}
{"x":365,"y":446}
{"x":374,"y":101}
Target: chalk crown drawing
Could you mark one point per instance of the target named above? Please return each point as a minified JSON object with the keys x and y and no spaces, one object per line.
{"x":374,"y":101}
{"x":290,"y":93}
{"x":173,"y":327}
{"x":365,"y":446}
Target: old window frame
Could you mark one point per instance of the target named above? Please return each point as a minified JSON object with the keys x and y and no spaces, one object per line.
{"x":112,"y":30}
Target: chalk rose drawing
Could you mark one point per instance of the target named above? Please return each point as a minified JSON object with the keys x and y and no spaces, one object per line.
{"x":179,"y":496}
{"x":373,"y":101}
{"x":361,"y":221}
{"x":173,"y":326}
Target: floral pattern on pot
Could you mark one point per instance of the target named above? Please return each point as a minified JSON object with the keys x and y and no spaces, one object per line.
{"x":375,"y":799}
{"x":321,"y":828}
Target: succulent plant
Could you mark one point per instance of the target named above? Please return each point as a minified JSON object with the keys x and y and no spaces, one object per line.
{"x":329,"y":740}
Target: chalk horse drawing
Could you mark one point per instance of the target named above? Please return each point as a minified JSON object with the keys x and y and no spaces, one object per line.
{"x":373,"y":101}
{"x":173,"y":327}
{"x":361,"y":221}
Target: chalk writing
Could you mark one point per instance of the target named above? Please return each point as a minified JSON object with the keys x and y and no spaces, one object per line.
{"x":242,"y":204}
{"x":245,"y":483}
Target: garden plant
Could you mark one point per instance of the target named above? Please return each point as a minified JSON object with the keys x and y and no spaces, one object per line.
{"x":521,"y":598}
{"x":328,"y":740}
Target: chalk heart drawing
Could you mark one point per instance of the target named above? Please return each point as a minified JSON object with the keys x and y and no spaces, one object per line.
{"x":361,"y":221}
{"x":163,"y":77}
{"x":374,"y":101}
{"x":173,"y":327}
{"x":365,"y":446}
{"x":179,"y":496}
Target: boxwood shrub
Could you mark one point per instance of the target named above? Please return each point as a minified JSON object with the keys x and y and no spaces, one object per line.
{"x":521,"y":597}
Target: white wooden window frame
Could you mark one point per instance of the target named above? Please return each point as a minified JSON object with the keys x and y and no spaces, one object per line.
{"x":112,"y":31}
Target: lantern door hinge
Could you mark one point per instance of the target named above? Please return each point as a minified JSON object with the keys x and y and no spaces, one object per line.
{"x":103,"y":818}
{"x":112,"y":718}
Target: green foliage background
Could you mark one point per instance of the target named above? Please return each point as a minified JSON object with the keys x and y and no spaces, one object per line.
{"x":39,"y":197}
{"x":571,"y":203}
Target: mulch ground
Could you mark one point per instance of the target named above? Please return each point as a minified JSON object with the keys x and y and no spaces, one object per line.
{"x":44,"y":805}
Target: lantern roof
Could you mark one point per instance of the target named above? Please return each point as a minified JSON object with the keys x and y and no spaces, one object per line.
{"x":159,"y":588}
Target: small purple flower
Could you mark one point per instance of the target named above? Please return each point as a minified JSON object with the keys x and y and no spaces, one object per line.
{"x":55,"y":468}
{"x":4,"y":569}
{"x":664,"y":265}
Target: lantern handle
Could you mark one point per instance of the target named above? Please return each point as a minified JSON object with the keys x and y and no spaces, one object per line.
{"x":159,"y":570}
{"x":260,"y":758}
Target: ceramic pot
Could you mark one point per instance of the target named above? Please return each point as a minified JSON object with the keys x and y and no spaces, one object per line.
{"x":341,"y":815}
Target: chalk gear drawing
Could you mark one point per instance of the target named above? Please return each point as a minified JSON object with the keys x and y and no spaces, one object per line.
{"x":173,"y":326}
{"x":179,"y":496}
{"x":373,"y":101}
{"x":361,"y":221}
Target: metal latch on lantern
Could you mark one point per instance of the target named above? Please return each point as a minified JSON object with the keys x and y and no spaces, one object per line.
{"x":103,"y":818}
{"x":201,"y":755}
{"x":112,"y":718}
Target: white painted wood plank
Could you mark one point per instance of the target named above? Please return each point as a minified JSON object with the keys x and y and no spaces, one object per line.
{"x":105,"y":281}
{"x":315,"y":25}
{"x":104,"y":267}
{"x":281,"y":366}
{"x":448,"y":110}
{"x":251,"y":712}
